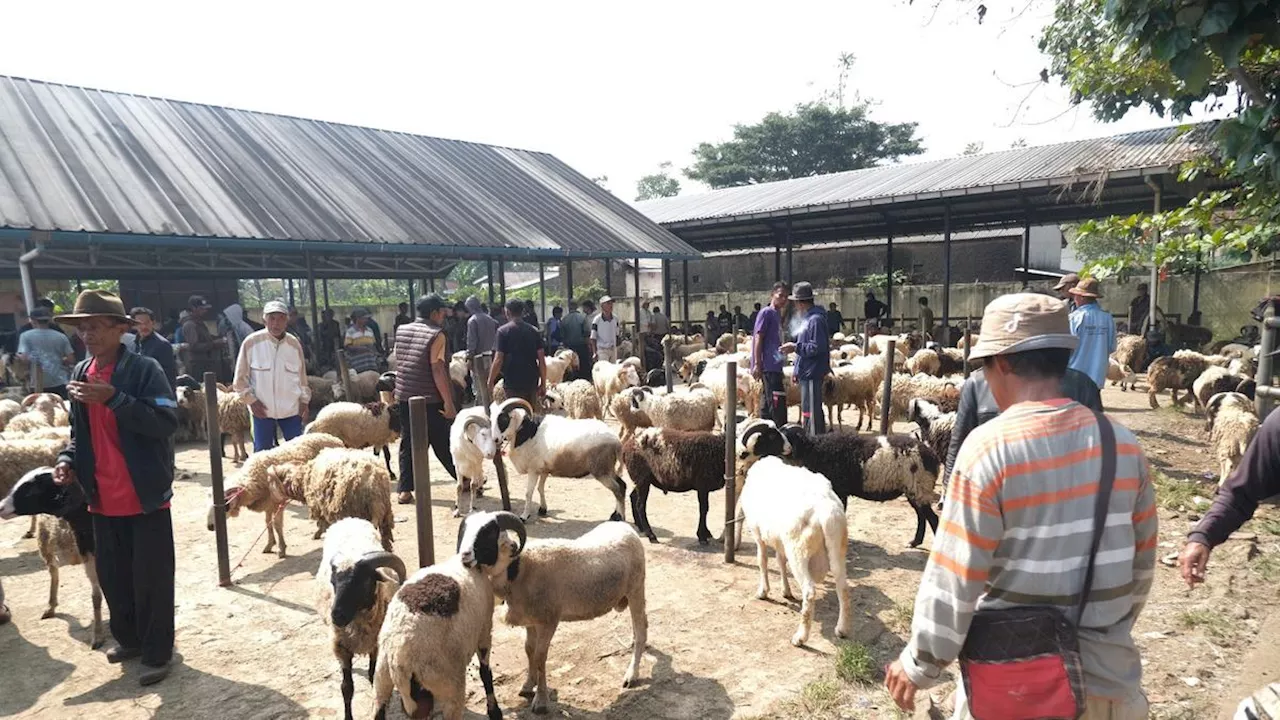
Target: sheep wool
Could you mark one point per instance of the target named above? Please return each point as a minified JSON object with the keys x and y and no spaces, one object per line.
{"x":234,"y":420}
{"x":854,"y":384}
{"x":471,"y":443}
{"x":924,"y":361}
{"x":374,"y":425}
{"x":629,"y":417}
{"x":8,"y":409}
{"x":19,"y":456}
{"x":692,"y":409}
{"x":578,"y":399}
{"x":935,"y":425}
{"x":1178,"y":372}
{"x":341,"y":483}
{"x":673,"y":461}
{"x":1232,"y":423}
{"x":1131,"y":350}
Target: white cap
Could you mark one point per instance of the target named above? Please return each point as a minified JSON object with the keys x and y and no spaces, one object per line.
{"x":275,"y":306}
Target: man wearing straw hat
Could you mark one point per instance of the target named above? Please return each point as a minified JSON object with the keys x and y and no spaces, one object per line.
{"x":1095,"y":329}
{"x":123,"y":417}
{"x":1018,"y":530}
{"x":812,"y":347}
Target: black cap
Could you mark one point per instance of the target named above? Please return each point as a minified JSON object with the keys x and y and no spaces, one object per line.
{"x":197,"y":301}
{"x":803,"y":292}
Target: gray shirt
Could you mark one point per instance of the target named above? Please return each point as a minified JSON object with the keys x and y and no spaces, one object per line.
{"x":47,"y":348}
{"x":482,"y":330}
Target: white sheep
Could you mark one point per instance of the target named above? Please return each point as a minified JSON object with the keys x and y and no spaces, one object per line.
{"x":1121,"y":375}
{"x":626,"y":410}
{"x":924,"y":361}
{"x":20,"y":454}
{"x":577,"y":399}
{"x":565,"y":447}
{"x":1231,"y":423}
{"x":795,"y":512}
{"x":39,"y":410}
{"x":610,"y":378}
{"x":691,"y":409}
{"x":856,"y":384}
{"x":438,"y":619}
{"x":340,"y":483}
{"x":364,"y":386}
{"x":559,"y":581}
{"x":470,"y":442}
{"x":355,"y":584}
{"x":943,"y":392}
{"x":372,"y":425}
{"x":8,"y":409}
{"x":234,"y":422}
{"x":935,"y":425}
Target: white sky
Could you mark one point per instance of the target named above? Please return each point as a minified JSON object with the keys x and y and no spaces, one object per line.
{"x":611,"y":88}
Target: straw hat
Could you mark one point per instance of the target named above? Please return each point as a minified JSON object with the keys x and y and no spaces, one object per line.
{"x":96,"y":303}
{"x":1068,"y":281}
{"x":1021,"y":322}
{"x":1087,"y":287}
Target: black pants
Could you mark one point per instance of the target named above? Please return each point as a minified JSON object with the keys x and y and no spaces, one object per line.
{"x":135,"y":561}
{"x":437,"y":435}
{"x":584,"y":360}
{"x":771,"y":382}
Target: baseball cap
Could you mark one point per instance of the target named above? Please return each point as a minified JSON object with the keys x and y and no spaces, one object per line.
{"x":197,"y":301}
{"x":606,"y":299}
{"x":275,"y":306}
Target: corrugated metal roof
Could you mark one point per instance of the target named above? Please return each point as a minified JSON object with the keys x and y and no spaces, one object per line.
{"x":1063,"y":163}
{"x":80,"y":160}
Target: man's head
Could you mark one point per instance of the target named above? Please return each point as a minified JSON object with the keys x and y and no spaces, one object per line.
{"x":756,"y":307}
{"x":100,"y":319}
{"x":657,"y":309}
{"x":871,"y":295}
{"x":723,"y":309}
{"x":1143,"y":289}
{"x":1063,"y":288}
{"x":802,"y":295}
{"x":360,"y":317}
{"x":557,"y":311}
{"x":276,"y":317}
{"x":606,"y":305}
{"x":1086,"y":291}
{"x":403,"y":308}
{"x":198,"y":306}
{"x":737,"y":309}
{"x":778,"y":297}
{"x":144,"y":321}
{"x":573,"y":306}
{"x":293,"y":314}
{"x":327,"y":313}
{"x":431,"y":308}
{"x":1025,"y":339}
{"x":833,"y":307}
{"x":528,"y":305}
{"x":515,"y":309}
{"x":40,"y":317}
{"x":924,"y":301}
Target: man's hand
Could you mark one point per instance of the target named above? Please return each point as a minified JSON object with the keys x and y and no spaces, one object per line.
{"x":304,"y":411}
{"x":757,"y":372}
{"x":449,"y":411}
{"x":258,"y":409}
{"x":63,"y":474}
{"x":900,"y":687}
{"x":1192,"y":562}
{"x":785,"y":348}
{"x":91,"y":393}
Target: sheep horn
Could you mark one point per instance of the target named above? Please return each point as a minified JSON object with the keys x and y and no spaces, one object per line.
{"x":371,"y":561}
{"x":521,"y":402}
{"x":510,"y":521}
{"x":474,"y":420}
{"x":29,"y":400}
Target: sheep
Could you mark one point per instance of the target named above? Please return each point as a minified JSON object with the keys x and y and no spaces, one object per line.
{"x":1216,"y":380}
{"x":1244,"y":366}
{"x":374,"y":425}
{"x":39,"y":410}
{"x":943,"y":392}
{"x":950,"y":361}
{"x":673,"y":461}
{"x":364,"y":386}
{"x":20,"y":455}
{"x":5,"y":614}
{"x":8,"y":410}
{"x":626,"y":410}
{"x":578,"y":399}
{"x":851,"y":350}
{"x":1236,"y":351}
{"x":1121,"y":375}
{"x":1178,"y":372}
{"x":323,"y":392}
{"x":439,"y":618}
{"x":935,"y":425}
{"x":556,"y":368}
{"x":340,"y":483}
{"x":354,"y":590}
{"x":689,"y":364}
{"x":907,"y":343}
{"x":925,"y":361}
{"x":565,"y":447}
{"x":726,"y":343}
{"x":692,"y":409}
{"x":794,"y":511}
{"x":193,"y":415}
{"x":555,"y":581}
{"x":458,"y":369}
{"x":1231,"y":423}
{"x":234,"y":421}
{"x":610,"y":378}
{"x":854,"y":384}
{"x":1131,"y":351}
{"x":679,"y":351}
{"x":470,"y":442}
{"x":64,"y":533}
{"x":255,"y":489}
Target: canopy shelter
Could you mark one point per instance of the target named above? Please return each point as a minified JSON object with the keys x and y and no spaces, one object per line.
{"x":1066,"y":182}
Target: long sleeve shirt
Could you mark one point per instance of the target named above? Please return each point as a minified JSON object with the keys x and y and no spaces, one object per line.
{"x":1096,"y":331}
{"x":1016,"y":529}
{"x":813,"y":346}
{"x":1254,"y":480}
{"x":482,"y":331}
{"x":273,"y":370}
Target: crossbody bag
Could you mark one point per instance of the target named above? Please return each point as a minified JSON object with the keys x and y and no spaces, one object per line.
{"x":1024,"y":663}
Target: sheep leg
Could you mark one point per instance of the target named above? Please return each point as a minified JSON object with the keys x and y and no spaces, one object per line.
{"x":801,"y":569}
{"x":530,"y":507}
{"x":31,"y":532}
{"x":271,"y":532}
{"x":762,"y":558}
{"x":639,"y":635}
{"x":486,"y":678}
{"x":924,"y":514}
{"x":53,"y":592}
{"x":1151,"y":397}
{"x":279,"y":523}
{"x":91,"y":571}
{"x":704,"y":504}
{"x":530,"y":653}
{"x":386,"y":456}
{"x":640,"y":511}
{"x":348,"y":685}
{"x":382,"y":687}
{"x":543,"y":696}
{"x":619,"y":489}
{"x":542,"y":495}
{"x":782,"y":571}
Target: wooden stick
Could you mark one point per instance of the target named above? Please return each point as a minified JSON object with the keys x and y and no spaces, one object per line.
{"x":215,"y":473}
{"x":730,"y":457}
{"x":422,"y":480}
{"x":886,"y":393}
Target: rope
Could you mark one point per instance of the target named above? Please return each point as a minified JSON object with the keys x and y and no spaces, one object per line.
{"x":255,"y":541}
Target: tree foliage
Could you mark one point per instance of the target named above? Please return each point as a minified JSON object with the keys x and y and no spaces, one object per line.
{"x":658,"y":185}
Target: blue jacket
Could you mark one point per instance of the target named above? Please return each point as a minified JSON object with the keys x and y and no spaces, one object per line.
{"x":147,"y":417}
{"x":157,"y":348}
{"x":813,"y":346}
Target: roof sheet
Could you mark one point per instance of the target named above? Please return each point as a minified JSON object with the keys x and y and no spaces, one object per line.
{"x":1063,"y":163}
{"x":82,"y":160}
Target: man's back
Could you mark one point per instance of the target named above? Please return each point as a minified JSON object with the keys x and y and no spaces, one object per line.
{"x":1096,"y":331}
{"x":573,"y":329}
{"x":1023,"y":492}
{"x":519,"y":344}
{"x":49,"y":348}
{"x":482,"y":331}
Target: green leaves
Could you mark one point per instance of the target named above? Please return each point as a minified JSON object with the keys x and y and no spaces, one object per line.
{"x":1218,"y":19}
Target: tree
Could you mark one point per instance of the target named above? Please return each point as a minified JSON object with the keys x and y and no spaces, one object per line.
{"x":973,"y":148}
{"x":658,"y":185}
{"x":815,"y":139}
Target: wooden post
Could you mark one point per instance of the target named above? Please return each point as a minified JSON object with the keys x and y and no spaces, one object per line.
{"x":967,"y":343}
{"x":1266,"y":364}
{"x":866,"y":337}
{"x":344,"y":376}
{"x":500,"y":468}
{"x":885,"y":395}
{"x":730,"y":458}
{"x":315,"y":313}
{"x":37,"y":377}
{"x":215,"y":473}
{"x":422,"y":480}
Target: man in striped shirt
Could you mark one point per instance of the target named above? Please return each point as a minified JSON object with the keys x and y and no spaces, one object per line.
{"x":1017,"y":523}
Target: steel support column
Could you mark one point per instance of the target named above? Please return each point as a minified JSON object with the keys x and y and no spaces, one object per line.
{"x":1195,"y":290}
{"x":1026,"y":254}
{"x":315,"y":313}
{"x":608,"y":277}
{"x":568,"y":282}
{"x":888,"y":276}
{"x":946,"y":275}
{"x":502,"y":279}
{"x":489,"y":265}
{"x":542,"y":291}
{"x":636,"y":308}
{"x":684,"y":299}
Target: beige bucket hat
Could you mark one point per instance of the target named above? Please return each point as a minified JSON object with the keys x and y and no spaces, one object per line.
{"x":1023,"y":321}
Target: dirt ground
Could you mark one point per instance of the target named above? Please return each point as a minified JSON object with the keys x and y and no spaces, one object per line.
{"x":258,"y":649}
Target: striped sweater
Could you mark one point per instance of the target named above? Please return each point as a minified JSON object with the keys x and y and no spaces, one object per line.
{"x":1016,"y":529}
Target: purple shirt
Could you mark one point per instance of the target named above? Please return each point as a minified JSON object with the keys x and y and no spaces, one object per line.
{"x":768,"y":331}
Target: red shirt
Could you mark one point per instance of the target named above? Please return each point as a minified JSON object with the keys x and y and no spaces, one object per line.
{"x":116,"y":494}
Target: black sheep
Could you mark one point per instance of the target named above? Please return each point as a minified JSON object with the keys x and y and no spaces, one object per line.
{"x":673,"y":461}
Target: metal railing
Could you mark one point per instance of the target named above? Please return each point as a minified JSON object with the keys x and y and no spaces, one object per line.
{"x":1267,"y":392}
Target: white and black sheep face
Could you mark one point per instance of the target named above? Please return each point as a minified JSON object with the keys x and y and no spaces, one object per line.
{"x":355,"y":584}
{"x":513,"y":423}
{"x":639,"y":398}
{"x":478,"y":433}
{"x":386,"y":382}
{"x":37,"y":494}
{"x":762,"y":439}
{"x":552,"y":401}
{"x":1221,"y":400}
{"x":483,"y":540}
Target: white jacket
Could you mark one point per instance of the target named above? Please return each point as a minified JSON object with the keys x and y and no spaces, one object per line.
{"x":273,"y":371}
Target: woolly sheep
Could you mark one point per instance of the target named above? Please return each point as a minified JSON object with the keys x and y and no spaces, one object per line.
{"x":374,"y":425}
{"x":1121,"y":375}
{"x":323,"y":392}
{"x":470,"y":442}
{"x":1178,"y":372}
{"x":551,"y":445}
{"x":8,"y":409}
{"x":1131,"y":351}
{"x":935,"y":425}
{"x":794,"y":511}
{"x":355,"y":584}
{"x":364,"y":386}
{"x":854,"y":384}
{"x":256,"y":490}
{"x":438,"y":619}
{"x":39,"y":410}
{"x":20,"y":455}
{"x":193,"y":415}
{"x":673,"y":461}
{"x":458,"y":369}
{"x":554,"y":581}
{"x":610,"y":378}
{"x":1231,"y":423}
{"x":1216,"y":380}
{"x":943,"y":392}
{"x":577,"y":399}
{"x":340,"y":483}
{"x":556,"y":368}
{"x":690,"y":409}
{"x":64,"y":534}
{"x":234,"y":421}
{"x":626,"y":410}
{"x":924,"y":361}
{"x":688,"y":366}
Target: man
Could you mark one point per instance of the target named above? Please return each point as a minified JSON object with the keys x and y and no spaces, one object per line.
{"x":520,"y":360}
{"x":1017,"y":525}
{"x":1096,"y":331}
{"x":766,"y":358}
{"x":361,"y":343}
{"x":153,"y":345}
{"x":330,"y":337}
{"x":574,"y":331}
{"x":604,"y":332}
{"x":372,"y":324}
{"x":271,"y":378}
{"x":530,"y":315}
{"x":725,"y":320}
{"x":298,"y":328}
{"x":740,"y":320}
{"x":422,"y":370}
{"x":554,"y":338}
{"x":1139,"y":306}
{"x":873,"y":309}
{"x":659,"y":324}
{"x":755,"y":312}
{"x":812,"y":347}
{"x":123,"y":417}
{"x":835,"y":319}
{"x":402,"y":317}
{"x":203,"y":350}
{"x":482,"y":333}
{"x":926,"y":316}
{"x":1063,"y":289}
{"x":642,"y":331}
{"x":49,"y":350}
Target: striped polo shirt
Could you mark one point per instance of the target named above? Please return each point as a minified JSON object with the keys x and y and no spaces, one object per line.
{"x":1016,"y":529}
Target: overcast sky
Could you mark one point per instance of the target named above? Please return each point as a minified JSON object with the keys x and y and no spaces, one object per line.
{"x":611,"y":88}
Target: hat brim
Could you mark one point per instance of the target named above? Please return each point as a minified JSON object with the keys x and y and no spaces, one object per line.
{"x":1082,"y":293}
{"x":75,"y":318}
{"x":1052,"y":341}
{"x":802,"y":298}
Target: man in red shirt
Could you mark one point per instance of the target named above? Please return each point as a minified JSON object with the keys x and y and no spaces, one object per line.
{"x":123,"y":417}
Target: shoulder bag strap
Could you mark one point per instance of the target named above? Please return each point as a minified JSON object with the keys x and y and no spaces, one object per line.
{"x":1105,"y":483}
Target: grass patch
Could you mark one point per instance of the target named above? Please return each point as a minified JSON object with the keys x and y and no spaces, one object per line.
{"x":854,"y":663}
{"x":898,"y":617}
{"x":1271,"y":526}
{"x":1175,"y":494}
{"x":820,"y":696}
{"x":1210,"y":622}
{"x":1267,"y":565}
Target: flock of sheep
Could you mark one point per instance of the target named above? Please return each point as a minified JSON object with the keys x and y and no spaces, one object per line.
{"x":420,"y":629}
